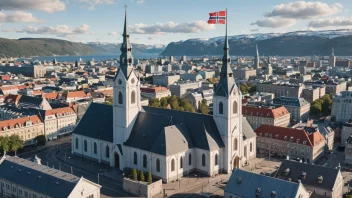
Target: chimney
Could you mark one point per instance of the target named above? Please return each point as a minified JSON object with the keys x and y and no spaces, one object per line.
{"x":309,"y":123}
{"x":303,"y":175}
{"x":320,"y":179}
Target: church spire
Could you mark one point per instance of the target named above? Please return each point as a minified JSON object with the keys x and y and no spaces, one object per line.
{"x":257,"y":52}
{"x":332,"y":52}
{"x":126,"y":58}
{"x":227,"y":80}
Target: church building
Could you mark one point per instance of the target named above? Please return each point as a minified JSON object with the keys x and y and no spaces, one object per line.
{"x":168,"y":143}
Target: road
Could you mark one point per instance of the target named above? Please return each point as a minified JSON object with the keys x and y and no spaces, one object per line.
{"x":110,"y":188}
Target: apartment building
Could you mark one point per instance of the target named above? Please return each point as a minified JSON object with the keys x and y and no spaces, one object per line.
{"x":165,"y":80}
{"x":181,"y":88}
{"x":281,"y":89}
{"x":298,"y":107}
{"x":312,"y":94}
{"x":348,"y":150}
{"x":295,"y":143}
{"x":258,"y":116}
{"x":341,"y":109}
{"x":155,"y":92}
{"x":73,"y":96}
{"x":336,"y":86}
{"x":244,"y":73}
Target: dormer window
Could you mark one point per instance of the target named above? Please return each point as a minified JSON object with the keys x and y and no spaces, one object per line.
{"x":258,"y":192}
{"x":285,"y":138}
{"x":273,"y":194}
{"x":320,"y":179}
{"x":287,"y":171}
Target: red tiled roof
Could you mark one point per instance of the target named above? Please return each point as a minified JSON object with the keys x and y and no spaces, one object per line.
{"x":264,"y":112}
{"x":59,"y":111}
{"x":52,"y":95}
{"x":12,"y":123}
{"x":38,"y":92}
{"x":153,"y":89}
{"x":76,"y":94}
{"x":316,"y":138}
{"x":12,"y":98}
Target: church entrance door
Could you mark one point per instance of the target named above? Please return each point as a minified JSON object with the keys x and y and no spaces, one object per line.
{"x":236,"y":162}
{"x":117,"y":160}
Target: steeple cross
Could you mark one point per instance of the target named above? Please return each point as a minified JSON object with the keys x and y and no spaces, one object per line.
{"x":125,"y":7}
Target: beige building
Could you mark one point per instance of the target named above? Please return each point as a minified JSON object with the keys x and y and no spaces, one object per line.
{"x":155,"y":92}
{"x":25,"y":179}
{"x":335,"y":87}
{"x":181,"y":88}
{"x":298,"y":107}
{"x":348,"y":150}
{"x":164,"y":80}
{"x":346,"y":132}
{"x":244,"y":73}
{"x":27,"y":128}
{"x":312,"y":94}
{"x":341,"y":109}
{"x":295,"y":143}
{"x":281,"y":89}
{"x":258,"y":116}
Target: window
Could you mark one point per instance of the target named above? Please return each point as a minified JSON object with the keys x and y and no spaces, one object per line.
{"x":157,"y":165}
{"x":203,"y":160}
{"x":135,"y":158}
{"x":95,"y":148}
{"x":133,"y":97}
{"x":221,"y":108}
{"x":181,"y":162}
{"x":189,"y":159}
{"x":216,"y":159}
{"x":144,"y":161}
{"x":76,"y":143}
{"x":250,"y":147}
{"x":85,"y":146}
{"x":234,"y":107}
{"x":120,"y":98}
{"x":172,"y":164}
{"x":235,"y":144}
{"x":107,"y":151}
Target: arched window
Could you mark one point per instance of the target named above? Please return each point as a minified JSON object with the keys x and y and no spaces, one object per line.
{"x":120,"y":98}
{"x":133,"y":97}
{"x":234,"y":107}
{"x":221,"y":108}
{"x":181,"y":162}
{"x":76,"y":143}
{"x":235,"y":144}
{"x":85,"y":146}
{"x":144,"y":161}
{"x":157,"y":165}
{"x":250,"y":147}
{"x":95,"y":148}
{"x":135,"y":158}
{"x":190,"y":159}
{"x":107,"y":151}
{"x":172,"y":164}
{"x":203,"y":160}
{"x":216,"y":159}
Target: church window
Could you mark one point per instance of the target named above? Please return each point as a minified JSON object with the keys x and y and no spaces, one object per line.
{"x":216,"y":159}
{"x":85,"y":145}
{"x":144,"y":161}
{"x":235,"y":144}
{"x":130,"y":60}
{"x":221,"y":108}
{"x":190,"y":159}
{"x":76,"y":143}
{"x":133,"y":81}
{"x":250,"y":147}
{"x":181,"y":162}
{"x":234,"y":107}
{"x":133,"y":97}
{"x":203,"y":160}
{"x":119,"y":81}
{"x":157,"y":165}
{"x":135,"y":158}
{"x":120,"y":98}
{"x":95,"y":148}
{"x":173,"y":165}
{"x":107,"y":151}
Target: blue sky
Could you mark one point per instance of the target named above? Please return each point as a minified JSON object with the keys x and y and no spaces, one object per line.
{"x":164,"y":21}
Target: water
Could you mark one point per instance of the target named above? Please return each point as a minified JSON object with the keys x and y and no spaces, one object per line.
{"x":97,"y":57}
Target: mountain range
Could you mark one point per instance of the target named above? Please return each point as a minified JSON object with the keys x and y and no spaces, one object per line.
{"x":299,"y":43}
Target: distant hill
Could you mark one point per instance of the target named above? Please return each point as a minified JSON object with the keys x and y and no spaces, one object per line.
{"x":300,"y":43}
{"x":26,"y":47}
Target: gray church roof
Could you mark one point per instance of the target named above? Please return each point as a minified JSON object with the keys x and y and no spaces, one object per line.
{"x":247,"y":129}
{"x":97,"y":122}
{"x":247,"y":184}
{"x":39,"y":178}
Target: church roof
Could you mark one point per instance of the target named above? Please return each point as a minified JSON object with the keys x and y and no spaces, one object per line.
{"x":247,"y":129}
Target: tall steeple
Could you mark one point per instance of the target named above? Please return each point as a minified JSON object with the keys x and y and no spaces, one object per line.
{"x":332,"y":58}
{"x":227,"y":80}
{"x":126,"y":57}
{"x":256,"y":58}
{"x":257,"y":52}
{"x":332,"y":52}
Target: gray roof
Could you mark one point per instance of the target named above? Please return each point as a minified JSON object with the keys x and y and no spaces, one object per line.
{"x":312,"y":173}
{"x":39,"y":178}
{"x":179,"y":130}
{"x":30,"y":100}
{"x":246,"y":184}
{"x":247,"y":129}
{"x":97,"y":122}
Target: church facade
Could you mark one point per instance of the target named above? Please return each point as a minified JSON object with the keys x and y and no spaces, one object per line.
{"x":168,"y":143}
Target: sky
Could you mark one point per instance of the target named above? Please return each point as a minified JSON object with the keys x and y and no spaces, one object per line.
{"x":165,"y":21}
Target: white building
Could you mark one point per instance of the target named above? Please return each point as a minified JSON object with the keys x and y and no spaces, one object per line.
{"x":341,"y":109}
{"x":127,"y":135}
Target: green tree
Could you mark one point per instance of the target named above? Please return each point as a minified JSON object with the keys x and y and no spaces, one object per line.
{"x":252,"y":89}
{"x":244,"y":88}
{"x":163,"y":102}
{"x":109,"y":101}
{"x":4,"y":143}
{"x":203,"y":107}
{"x":149,"y":178}
{"x":134,"y":174}
{"x":141,"y":176}
{"x":154,"y":102}
{"x":41,"y":140}
{"x":15,"y":143}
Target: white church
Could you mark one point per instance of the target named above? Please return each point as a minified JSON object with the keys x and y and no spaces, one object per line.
{"x":168,"y":143}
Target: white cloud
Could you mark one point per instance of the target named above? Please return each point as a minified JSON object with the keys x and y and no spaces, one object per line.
{"x":331,"y":22}
{"x":254,"y":30}
{"x":112,"y":33}
{"x":304,"y":10}
{"x":93,"y":3}
{"x":140,"y":1}
{"x":59,"y":30}
{"x":18,"y":17}
{"x":172,"y":27}
{"x":275,"y":22}
{"x":49,"y":6}
{"x":9,"y":30}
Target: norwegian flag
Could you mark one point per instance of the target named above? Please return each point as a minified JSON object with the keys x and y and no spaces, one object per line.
{"x":217,"y":17}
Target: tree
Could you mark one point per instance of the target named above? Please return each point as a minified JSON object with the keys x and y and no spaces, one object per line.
{"x":163,"y":102}
{"x":154,"y":102}
{"x":15,"y":143}
{"x":134,"y":174}
{"x":4,"y":143}
{"x":141,"y":176}
{"x":252,"y":89}
{"x":321,"y":106}
{"x":149,"y":178}
{"x":109,"y":101}
{"x":203,"y":107}
{"x":244,"y":88}
{"x":41,"y":140}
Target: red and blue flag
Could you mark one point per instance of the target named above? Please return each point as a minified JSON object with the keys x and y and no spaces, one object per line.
{"x":217,"y":17}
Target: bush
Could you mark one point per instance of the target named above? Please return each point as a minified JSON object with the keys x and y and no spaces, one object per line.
{"x":141,"y":176}
{"x":149,"y":178}
{"x":134,"y":174}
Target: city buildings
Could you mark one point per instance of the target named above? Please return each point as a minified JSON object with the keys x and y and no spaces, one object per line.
{"x":348,"y":150}
{"x":346,"y":132}
{"x":155,"y":92}
{"x":281,"y":89}
{"x":298,"y":107}
{"x":244,"y":73}
{"x":165,"y":80}
{"x":181,"y":88}
{"x":336,"y":86}
{"x":341,"y":109}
